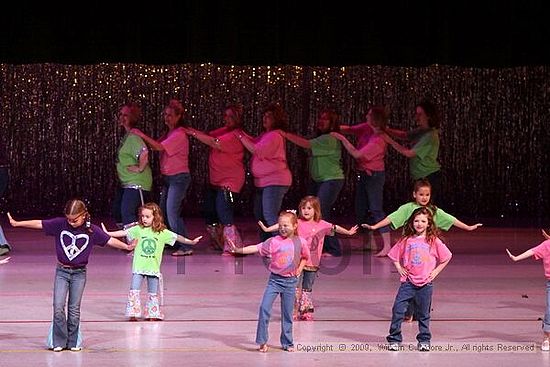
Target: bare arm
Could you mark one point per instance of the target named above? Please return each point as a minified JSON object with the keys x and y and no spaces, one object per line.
{"x":346,"y":143}
{"x":522,"y":256}
{"x":301,"y":266}
{"x":118,"y":233}
{"x":401,"y":270}
{"x":205,"y":138}
{"x":33,"y":224}
{"x":384,"y":222}
{"x":5,"y":261}
{"x":155,"y":145}
{"x":438,"y":270}
{"x":187,"y":241}
{"x":396,"y":133}
{"x":142,"y":163}
{"x":545,"y":235}
{"x":466,"y":227}
{"x":114,"y":242}
{"x":272,"y":228}
{"x":342,"y":230}
{"x":246,"y":141}
{"x":298,"y":140}
{"x":409,"y":153}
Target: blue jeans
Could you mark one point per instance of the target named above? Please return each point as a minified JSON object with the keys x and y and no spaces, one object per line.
{"x":152,"y":282}
{"x":327,"y":192}
{"x":546,"y":320}
{"x":218,"y":206}
{"x":267,"y":205}
{"x":126,"y":204}
{"x":369,"y":198}
{"x":423,"y":300}
{"x":71,"y":283}
{"x":286,"y":287}
{"x":306,"y":280}
{"x":174,"y":189}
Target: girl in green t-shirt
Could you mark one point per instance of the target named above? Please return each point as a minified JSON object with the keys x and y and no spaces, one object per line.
{"x":151,"y":234}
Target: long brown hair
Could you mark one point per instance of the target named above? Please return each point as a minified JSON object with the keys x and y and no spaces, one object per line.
{"x":315,"y":204}
{"x":432,"y":233}
{"x":158,"y":220}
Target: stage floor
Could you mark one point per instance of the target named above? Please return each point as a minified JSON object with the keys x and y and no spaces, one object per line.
{"x":486,"y":309}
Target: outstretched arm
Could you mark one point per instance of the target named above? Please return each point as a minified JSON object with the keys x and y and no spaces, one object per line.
{"x":33,"y":224}
{"x":187,"y":241}
{"x":346,"y":143}
{"x":119,"y":233}
{"x":298,"y":140}
{"x":409,"y":153}
{"x":155,"y":145}
{"x":342,"y":230}
{"x":546,"y":235}
{"x":384,"y":222}
{"x":246,"y":141}
{"x":5,"y":261}
{"x":114,"y":242}
{"x":466,"y":227}
{"x":272,"y":228}
{"x":247,"y":250}
{"x":396,"y":133}
{"x":522,"y":256}
{"x":204,"y":138}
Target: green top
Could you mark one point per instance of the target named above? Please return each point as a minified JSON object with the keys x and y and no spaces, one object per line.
{"x":324,"y":163}
{"x":149,"y":249}
{"x":128,"y":155}
{"x":399,"y":217}
{"x":426,"y":149}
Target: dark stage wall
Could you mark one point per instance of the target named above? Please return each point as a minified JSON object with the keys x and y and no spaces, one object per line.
{"x":59,"y":124}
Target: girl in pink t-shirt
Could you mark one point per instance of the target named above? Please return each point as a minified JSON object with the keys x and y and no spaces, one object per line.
{"x":419,"y":258}
{"x":288,"y":254}
{"x":313,"y":229}
{"x":541,"y":251}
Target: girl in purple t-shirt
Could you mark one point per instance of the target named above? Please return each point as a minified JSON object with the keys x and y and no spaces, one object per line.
{"x":74,"y":238}
{"x":288,"y":254}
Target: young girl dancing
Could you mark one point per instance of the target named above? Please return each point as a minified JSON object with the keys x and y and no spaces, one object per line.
{"x":75,"y":237}
{"x":419,"y":258}
{"x":151,"y":234}
{"x":313,"y":229}
{"x":422,"y":192}
{"x":541,"y":251}
{"x":288,"y":255}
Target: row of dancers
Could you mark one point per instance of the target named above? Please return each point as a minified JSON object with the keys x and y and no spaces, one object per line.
{"x":293,"y":261}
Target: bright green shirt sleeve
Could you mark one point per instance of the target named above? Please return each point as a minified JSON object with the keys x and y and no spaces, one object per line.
{"x":400,"y":217}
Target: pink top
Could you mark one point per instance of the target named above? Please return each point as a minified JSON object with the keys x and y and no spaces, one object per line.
{"x":285,"y":254}
{"x":419,"y":258}
{"x":226,"y":166}
{"x":542,"y":251}
{"x":174,"y":158}
{"x":314,"y":233}
{"x":373,"y":155}
{"x":268,"y":163}
{"x":363,"y":131}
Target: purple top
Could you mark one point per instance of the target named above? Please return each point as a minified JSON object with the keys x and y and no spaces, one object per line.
{"x":73,"y":246}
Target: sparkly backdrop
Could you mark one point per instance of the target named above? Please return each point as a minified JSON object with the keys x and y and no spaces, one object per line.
{"x":58,"y":123}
